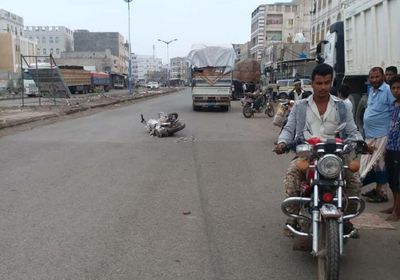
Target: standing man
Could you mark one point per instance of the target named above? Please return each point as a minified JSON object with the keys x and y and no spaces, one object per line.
{"x":298,"y":93}
{"x":376,"y":128}
{"x":344,"y":92}
{"x":390,"y":72}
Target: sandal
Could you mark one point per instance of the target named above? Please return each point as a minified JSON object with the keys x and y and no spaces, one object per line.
{"x":378,"y":198}
{"x":371,"y":194}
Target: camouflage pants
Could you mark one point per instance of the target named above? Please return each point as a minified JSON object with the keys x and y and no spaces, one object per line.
{"x":294,"y":178}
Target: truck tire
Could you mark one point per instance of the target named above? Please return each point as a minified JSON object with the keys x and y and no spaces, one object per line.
{"x":359,"y":119}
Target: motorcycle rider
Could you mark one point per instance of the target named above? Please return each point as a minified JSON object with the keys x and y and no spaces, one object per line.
{"x":319,"y":115}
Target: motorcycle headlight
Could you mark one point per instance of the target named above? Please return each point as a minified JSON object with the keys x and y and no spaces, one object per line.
{"x":330,"y":166}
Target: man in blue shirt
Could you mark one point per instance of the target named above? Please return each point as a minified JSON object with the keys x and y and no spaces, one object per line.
{"x":376,"y":127}
{"x":392,"y":159}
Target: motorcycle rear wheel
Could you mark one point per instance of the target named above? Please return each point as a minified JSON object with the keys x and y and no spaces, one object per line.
{"x":328,"y":255}
{"x":247,"y":111}
{"x":270,"y":110}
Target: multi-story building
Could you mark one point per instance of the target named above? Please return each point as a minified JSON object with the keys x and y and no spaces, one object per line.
{"x":52,"y":40}
{"x":144,"y":67}
{"x":257,"y":43}
{"x":11,"y":49}
{"x":179,"y":72}
{"x":12,"y":45}
{"x":324,"y":13}
{"x":279,"y":22}
{"x":85,"y":41}
{"x":11,"y":23}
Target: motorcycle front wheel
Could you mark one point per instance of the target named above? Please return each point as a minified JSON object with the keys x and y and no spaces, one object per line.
{"x":269,"y":111}
{"x":328,"y":255}
{"x":247,"y":111}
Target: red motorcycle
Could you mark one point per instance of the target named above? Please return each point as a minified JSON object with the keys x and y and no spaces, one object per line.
{"x":322,"y":201}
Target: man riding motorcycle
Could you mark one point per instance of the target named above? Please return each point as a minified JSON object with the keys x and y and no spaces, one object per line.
{"x":319,"y":115}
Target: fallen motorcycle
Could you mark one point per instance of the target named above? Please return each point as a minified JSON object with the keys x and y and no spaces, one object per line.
{"x":323,"y":210}
{"x":166,"y":125}
{"x":257,"y":103}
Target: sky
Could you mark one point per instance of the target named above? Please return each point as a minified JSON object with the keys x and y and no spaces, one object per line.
{"x":210,"y":22}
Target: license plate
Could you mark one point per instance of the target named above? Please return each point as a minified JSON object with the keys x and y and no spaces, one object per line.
{"x":329,"y":211}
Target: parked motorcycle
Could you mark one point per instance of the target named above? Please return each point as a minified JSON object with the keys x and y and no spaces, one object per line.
{"x":257,"y":103}
{"x":166,"y":125}
{"x":322,"y":219}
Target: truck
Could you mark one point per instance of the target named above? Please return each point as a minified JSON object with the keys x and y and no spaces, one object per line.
{"x":364,"y":39}
{"x":64,"y":80}
{"x":211,"y":75}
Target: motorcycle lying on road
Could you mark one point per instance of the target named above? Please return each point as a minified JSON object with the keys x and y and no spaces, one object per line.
{"x":321,"y":215}
{"x":166,"y":125}
{"x":257,"y":103}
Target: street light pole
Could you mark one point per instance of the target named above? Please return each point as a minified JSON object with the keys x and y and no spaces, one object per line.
{"x":168,"y":62}
{"x":129,"y":48}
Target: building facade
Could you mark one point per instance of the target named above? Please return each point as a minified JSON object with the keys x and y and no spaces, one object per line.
{"x":86,"y":41}
{"x":257,"y":43}
{"x":179,"y":72}
{"x":279,"y":22}
{"x":13,"y":44}
{"x":98,"y":61}
{"x":324,"y":13}
{"x":11,"y":23}
{"x":144,"y":67}
{"x":52,"y":40}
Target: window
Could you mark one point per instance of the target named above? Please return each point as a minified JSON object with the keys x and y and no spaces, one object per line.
{"x":279,"y":8}
{"x":57,"y":51}
{"x":323,"y":31}
{"x":291,"y":21}
{"x":274,"y":35}
{"x":51,"y":51}
{"x":51,"y":40}
{"x":56,"y":39}
{"x":339,"y":17}
{"x":274,"y":19}
{"x":44,"y":40}
{"x":328,"y":24}
{"x":44,"y":51}
{"x":287,"y":9}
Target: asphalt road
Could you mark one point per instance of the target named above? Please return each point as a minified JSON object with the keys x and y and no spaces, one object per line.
{"x":97,"y":198}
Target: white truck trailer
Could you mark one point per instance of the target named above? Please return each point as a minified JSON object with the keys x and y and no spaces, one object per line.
{"x":211,"y":69}
{"x":367,"y":37}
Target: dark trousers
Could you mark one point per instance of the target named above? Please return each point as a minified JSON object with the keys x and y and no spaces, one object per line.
{"x":392,"y":165}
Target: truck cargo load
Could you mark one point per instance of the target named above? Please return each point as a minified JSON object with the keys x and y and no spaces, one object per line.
{"x":247,"y":70}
